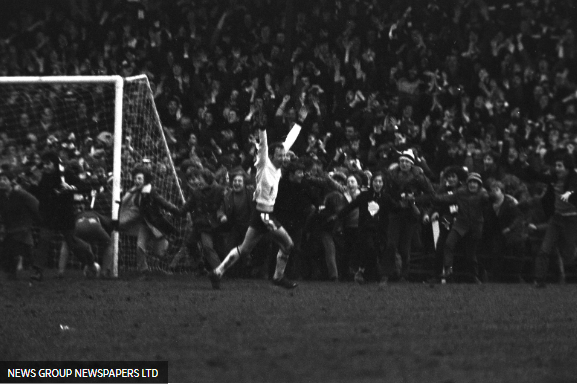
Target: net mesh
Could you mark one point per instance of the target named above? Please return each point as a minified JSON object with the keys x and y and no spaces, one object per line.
{"x":77,"y":121}
{"x":144,"y":142}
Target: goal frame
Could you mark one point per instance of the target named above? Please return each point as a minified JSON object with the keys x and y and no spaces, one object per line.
{"x":159,"y":124}
{"x":118,"y":83}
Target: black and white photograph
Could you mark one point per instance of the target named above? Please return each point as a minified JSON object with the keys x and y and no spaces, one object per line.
{"x":229,"y":191}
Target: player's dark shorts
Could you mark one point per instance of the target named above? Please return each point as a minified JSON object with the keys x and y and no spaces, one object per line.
{"x":256,"y":221}
{"x":91,"y":231}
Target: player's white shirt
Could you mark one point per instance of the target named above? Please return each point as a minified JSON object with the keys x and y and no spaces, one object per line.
{"x":267,"y":175}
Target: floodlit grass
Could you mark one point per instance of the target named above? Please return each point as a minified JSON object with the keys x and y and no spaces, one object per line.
{"x":322,"y":332}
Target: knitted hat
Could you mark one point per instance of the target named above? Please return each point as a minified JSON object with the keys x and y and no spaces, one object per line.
{"x":476,"y":177}
{"x":408,"y":155}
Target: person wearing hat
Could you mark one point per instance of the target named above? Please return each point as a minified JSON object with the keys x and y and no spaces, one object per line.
{"x":468,"y":226}
{"x":55,"y":195}
{"x":503,"y":233}
{"x":19,"y":214}
{"x":406,"y":181}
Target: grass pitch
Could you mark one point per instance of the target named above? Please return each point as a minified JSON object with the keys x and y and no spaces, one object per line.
{"x":251,"y":331}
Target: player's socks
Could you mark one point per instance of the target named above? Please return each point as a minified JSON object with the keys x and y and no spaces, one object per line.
{"x":281,"y":261}
{"x":230,"y":260}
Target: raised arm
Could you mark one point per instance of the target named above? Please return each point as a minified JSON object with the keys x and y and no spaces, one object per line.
{"x":445,"y":198}
{"x":296,"y":128}
{"x":281,"y":108}
{"x":262,"y":146}
{"x":327,"y":182}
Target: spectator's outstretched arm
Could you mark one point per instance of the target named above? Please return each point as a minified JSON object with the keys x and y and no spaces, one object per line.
{"x":504,"y":151}
{"x":163,"y":203}
{"x":427,"y":170}
{"x":442,"y":198}
{"x":333,"y":185}
{"x":355,"y":203}
{"x":336,"y":160}
{"x":188,"y":206}
{"x":245,"y":129}
{"x":426,"y":185}
{"x":282,"y":106}
{"x":326,"y":182}
{"x":218,"y":30}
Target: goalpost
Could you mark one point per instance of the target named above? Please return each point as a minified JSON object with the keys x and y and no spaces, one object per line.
{"x":106,"y":123}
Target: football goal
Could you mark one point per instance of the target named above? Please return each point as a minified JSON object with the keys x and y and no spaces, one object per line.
{"x":102,"y":127}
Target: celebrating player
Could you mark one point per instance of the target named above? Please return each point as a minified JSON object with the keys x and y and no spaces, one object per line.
{"x":268,"y":164}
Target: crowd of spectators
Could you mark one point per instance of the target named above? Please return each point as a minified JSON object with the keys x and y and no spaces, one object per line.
{"x":485,"y":85}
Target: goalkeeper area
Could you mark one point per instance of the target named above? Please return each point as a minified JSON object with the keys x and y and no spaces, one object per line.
{"x":75,"y":117}
{"x":252,"y":331}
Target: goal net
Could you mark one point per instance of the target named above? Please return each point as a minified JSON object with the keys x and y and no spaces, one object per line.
{"x":144,"y":143}
{"x":101,"y":127}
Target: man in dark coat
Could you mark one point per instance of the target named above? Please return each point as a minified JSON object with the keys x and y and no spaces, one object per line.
{"x":503,"y":232}
{"x":468,"y":224}
{"x":323,"y":226}
{"x":19,"y":213}
{"x":294,"y":203}
{"x":56,"y":206}
{"x":560,"y":203}
{"x":203,"y":205}
{"x":405,"y":182}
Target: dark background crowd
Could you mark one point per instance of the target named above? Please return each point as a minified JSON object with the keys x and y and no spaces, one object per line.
{"x":483,"y":84}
